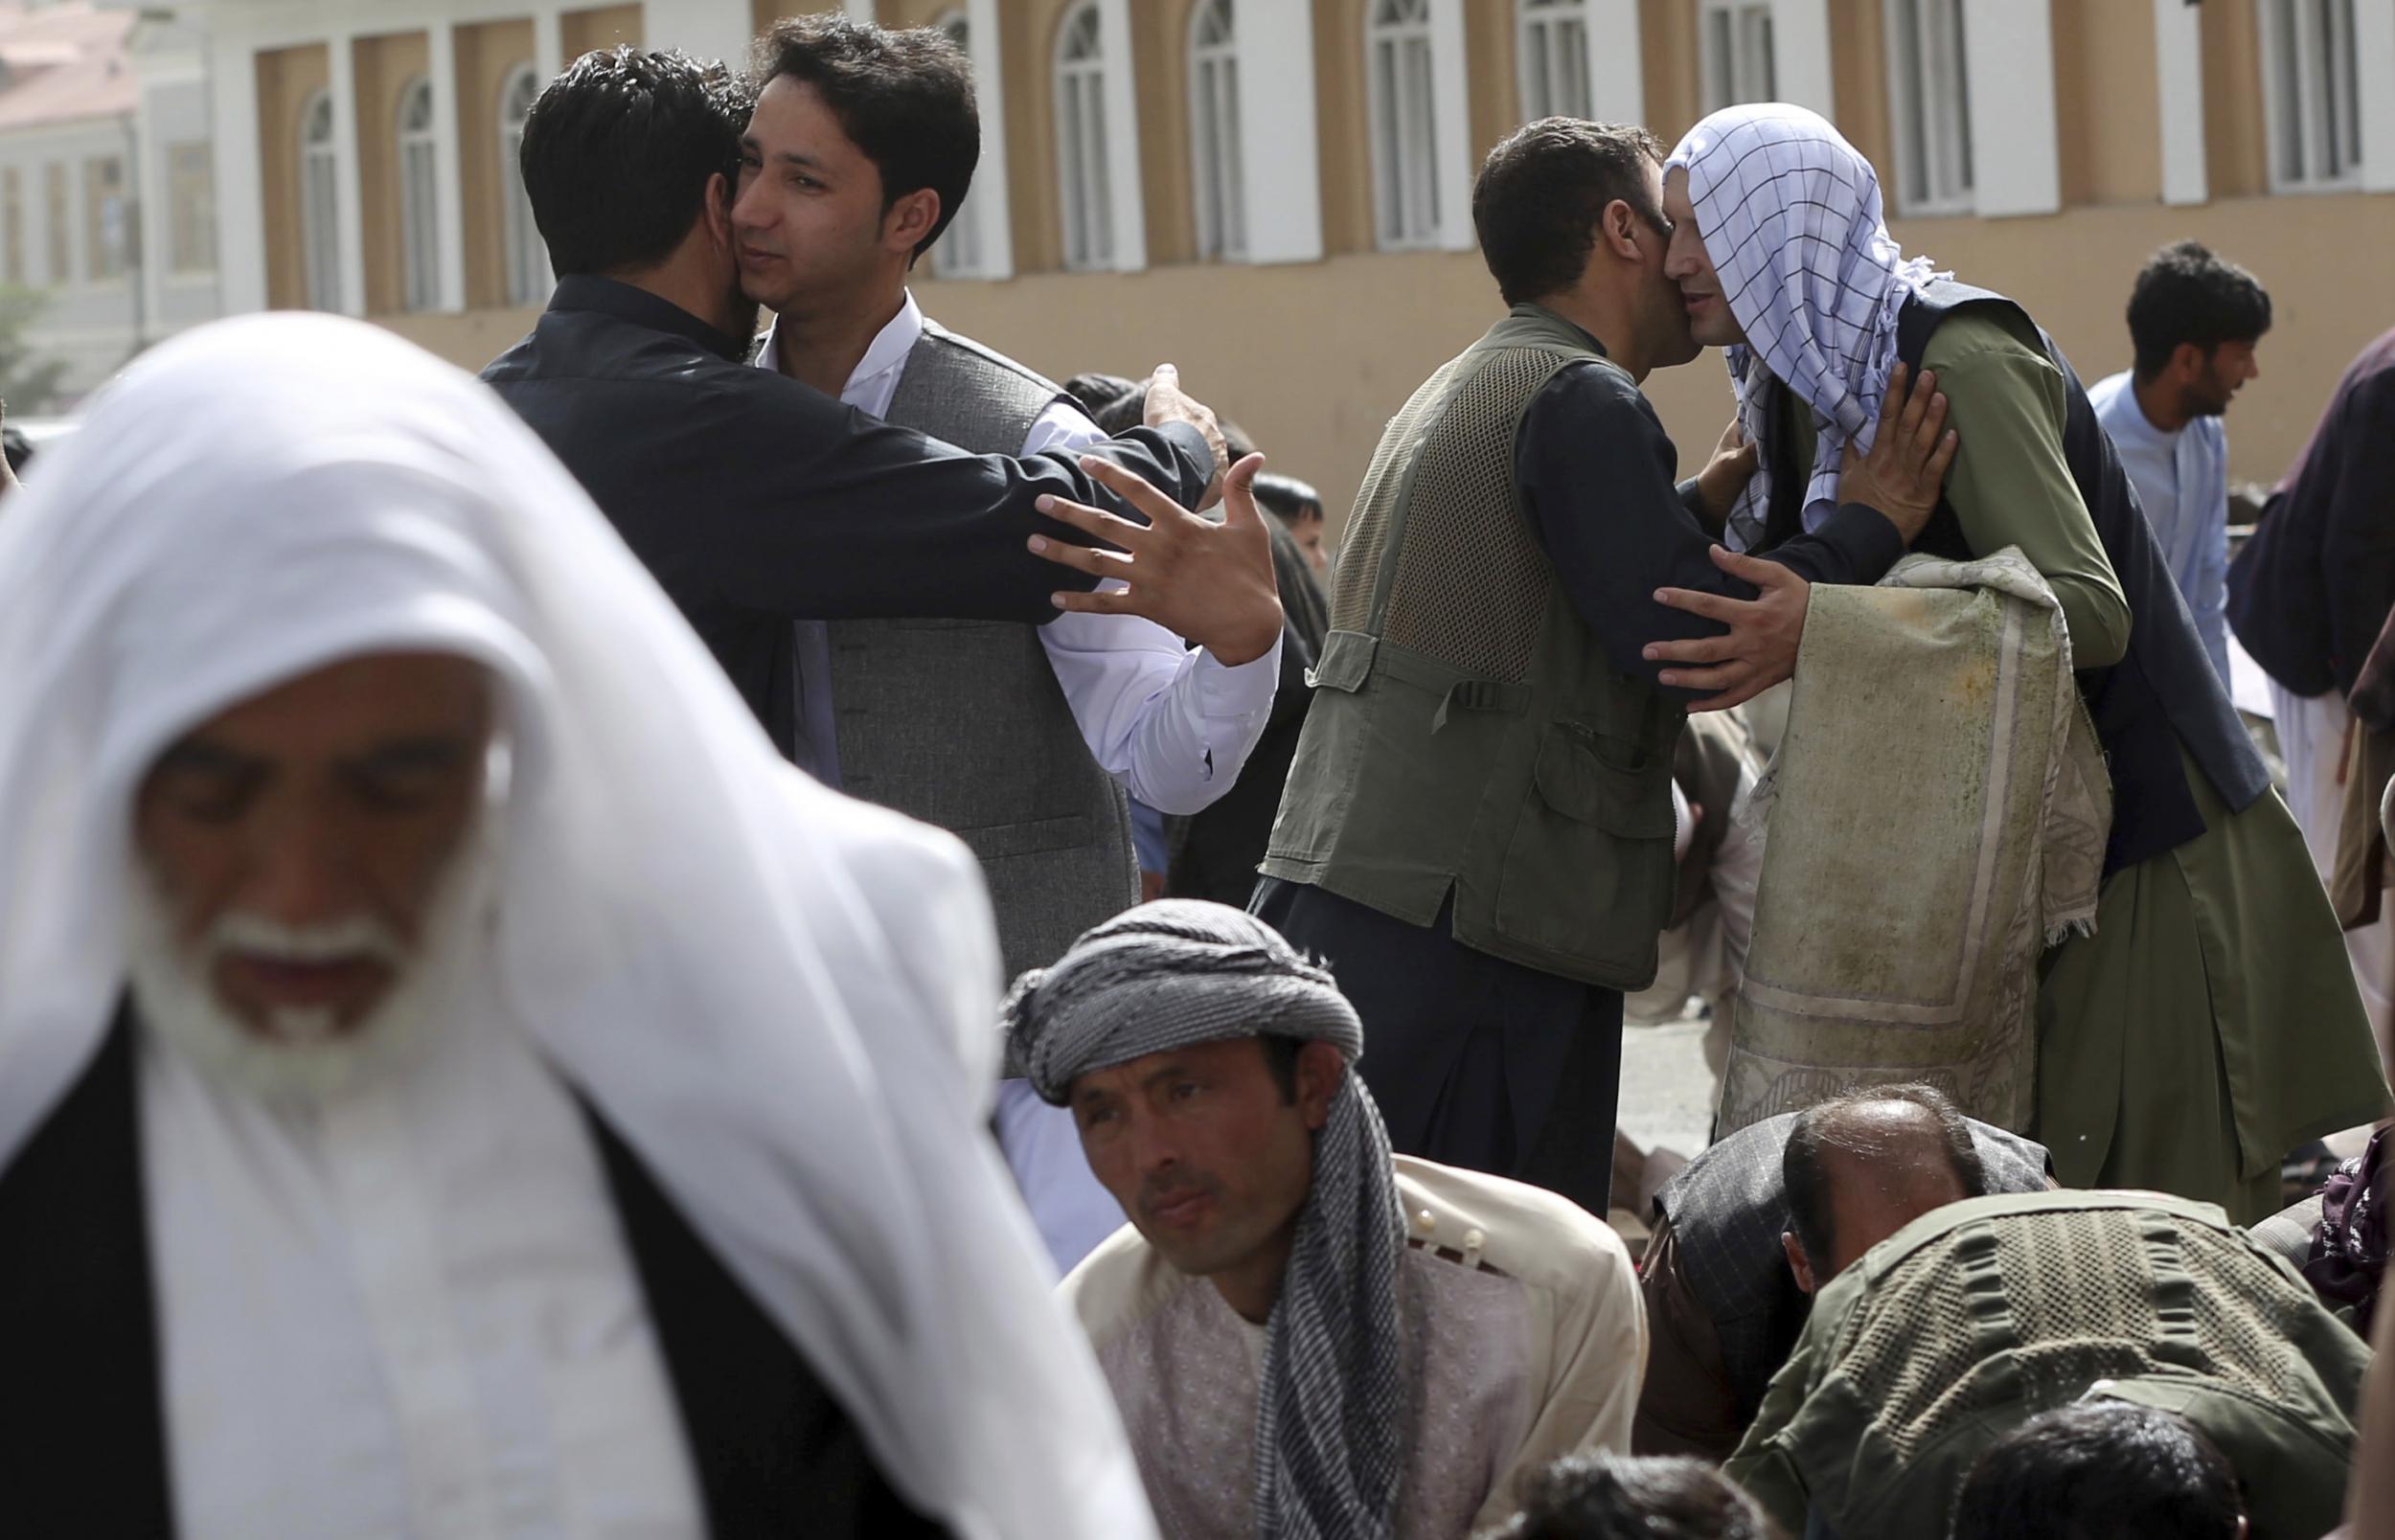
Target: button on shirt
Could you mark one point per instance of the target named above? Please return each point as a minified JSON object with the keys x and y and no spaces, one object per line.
{"x":405,"y":1310}
{"x":2183,"y":483}
{"x":1170,"y":722}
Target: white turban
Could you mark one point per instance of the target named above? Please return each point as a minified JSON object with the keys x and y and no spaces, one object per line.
{"x":778,"y":997}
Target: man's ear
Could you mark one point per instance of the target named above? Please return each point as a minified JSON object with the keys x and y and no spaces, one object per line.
{"x":910,"y":219}
{"x":1798,"y":1262}
{"x":1617,"y":228}
{"x":2189,"y":362}
{"x":1321,"y":1069}
{"x":719,"y":210}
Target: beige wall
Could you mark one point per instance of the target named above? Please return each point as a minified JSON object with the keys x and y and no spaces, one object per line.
{"x":1342,"y":113}
{"x":286,"y":77}
{"x":385,"y":67}
{"x":2235,"y":134}
{"x":583,"y":31}
{"x":486,"y":57}
{"x":2106,"y":103}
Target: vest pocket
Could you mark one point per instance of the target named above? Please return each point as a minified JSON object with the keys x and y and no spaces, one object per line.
{"x":1588,"y":870}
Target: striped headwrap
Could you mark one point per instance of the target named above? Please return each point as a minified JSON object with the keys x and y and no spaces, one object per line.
{"x":1790,"y":214}
{"x":1330,"y":1417}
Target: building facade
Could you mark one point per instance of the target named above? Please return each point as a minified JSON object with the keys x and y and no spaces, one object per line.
{"x":104,"y":186}
{"x":1274,"y":195}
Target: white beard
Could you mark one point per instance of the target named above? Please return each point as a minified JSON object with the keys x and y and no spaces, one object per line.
{"x":303,"y":1054}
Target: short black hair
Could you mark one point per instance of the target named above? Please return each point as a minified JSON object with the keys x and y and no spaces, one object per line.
{"x":2095,"y":1470}
{"x":903,"y":97}
{"x":1826,"y":1126}
{"x":1611,"y":1496}
{"x":1540,"y":192}
{"x":1295,"y":501}
{"x":2185,"y":294}
{"x":619,"y":150}
{"x":1099,"y":394}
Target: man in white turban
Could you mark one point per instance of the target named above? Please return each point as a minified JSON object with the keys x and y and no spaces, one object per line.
{"x":1309,"y":1338}
{"x":454,"y":1079}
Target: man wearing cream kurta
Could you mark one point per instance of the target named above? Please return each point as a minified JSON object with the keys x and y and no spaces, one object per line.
{"x":1304,"y":1333}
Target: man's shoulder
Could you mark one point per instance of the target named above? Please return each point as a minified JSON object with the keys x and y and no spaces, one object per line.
{"x":2108,"y":394}
{"x":1976,"y":334}
{"x":1122,"y":1283}
{"x":1546,"y":1242}
{"x":937,"y":338}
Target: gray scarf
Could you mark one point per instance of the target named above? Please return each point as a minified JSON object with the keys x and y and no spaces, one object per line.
{"x":1330,"y":1419}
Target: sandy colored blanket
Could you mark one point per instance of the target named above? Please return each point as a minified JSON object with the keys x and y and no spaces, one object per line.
{"x":1935,"y":815}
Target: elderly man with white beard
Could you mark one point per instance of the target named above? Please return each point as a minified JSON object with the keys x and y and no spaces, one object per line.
{"x":454,"y":1079}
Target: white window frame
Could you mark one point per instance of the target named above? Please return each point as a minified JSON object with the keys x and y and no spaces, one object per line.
{"x":1551,"y":53}
{"x":2310,"y":89}
{"x":1218,"y":170}
{"x":419,"y":197}
{"x":1401,"y":71}
{"x":1737,"y":52}
{"x":108,"y":234}
{"x":527,"y":256}
{"x":963,"y":250}
{"x":1929,"y":107}
{"x":320,"y":203}
{"x":191,"y":173}
{"x":1084,"y":177}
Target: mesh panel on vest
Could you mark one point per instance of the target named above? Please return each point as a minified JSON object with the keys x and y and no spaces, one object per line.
{"x":2081,"y":1290}
{"x":1367,"y":535}
{"x":1472,"y":586}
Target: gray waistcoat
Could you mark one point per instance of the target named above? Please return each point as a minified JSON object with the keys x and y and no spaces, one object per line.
{"x":962,"y":723}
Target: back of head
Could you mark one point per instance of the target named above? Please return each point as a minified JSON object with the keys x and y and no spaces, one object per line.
{"x":2187,"y":295}
{"x":1542,"y":190}
{"x":617,"y":153}
{"x":1910,"y":1140}
{"x":903,"y":97}
{"x":1608,"y":1497}
{"x":1294,"y":500}
{"x":2097,"y":1469}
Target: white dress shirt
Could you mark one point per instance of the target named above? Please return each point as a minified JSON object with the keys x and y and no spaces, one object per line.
{"x":2181,"y":479}
{"x":1170,"y":722}
{"x":405,"y":1311}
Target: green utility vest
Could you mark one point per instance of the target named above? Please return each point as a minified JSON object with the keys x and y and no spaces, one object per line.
{"x":1467,"y":732}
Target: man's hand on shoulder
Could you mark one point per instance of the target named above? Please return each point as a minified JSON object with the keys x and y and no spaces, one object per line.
{"x":1209,"y":583}
{"x":1905,"y":474}
{"x":1168,"y":402}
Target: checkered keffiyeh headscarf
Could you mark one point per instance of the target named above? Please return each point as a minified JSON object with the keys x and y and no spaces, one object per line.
{"x":1789,"y":212}
{"x":1330,"y":1431}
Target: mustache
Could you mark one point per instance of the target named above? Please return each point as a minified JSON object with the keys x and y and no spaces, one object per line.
{"x":355,"y":937}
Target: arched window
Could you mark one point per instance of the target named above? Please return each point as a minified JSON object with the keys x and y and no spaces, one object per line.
{"x":1734,"y":38}
{"x":1217,"y":176}
{"x":527,"y":259}
{"x":959,"y":253}
{"x":1405,"y":122}
{"x":1081,"y":140}
{"x":1554,"y":58}
{"x":420,"y":208}
{"x":320,"y":211}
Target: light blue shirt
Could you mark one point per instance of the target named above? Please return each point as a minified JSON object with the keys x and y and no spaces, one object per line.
{"x":2183,"y":482}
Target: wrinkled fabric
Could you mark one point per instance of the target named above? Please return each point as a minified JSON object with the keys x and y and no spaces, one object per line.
{"x":2348,"y":1261}
{"x":1330,"y":1421}
{"x":777,"y":996}
{"x":1791,"y":216}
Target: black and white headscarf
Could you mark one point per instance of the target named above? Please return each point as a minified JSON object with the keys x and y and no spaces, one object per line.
{"x":1330,"y":1433}
{"x":1790,"y":215}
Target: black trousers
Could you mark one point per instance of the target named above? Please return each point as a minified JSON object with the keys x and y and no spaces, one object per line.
{"x":1475,"y":1061}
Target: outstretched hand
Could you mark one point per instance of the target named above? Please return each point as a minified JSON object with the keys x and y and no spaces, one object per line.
{"x":1209,"y":583}
{"x":1760,"y":648}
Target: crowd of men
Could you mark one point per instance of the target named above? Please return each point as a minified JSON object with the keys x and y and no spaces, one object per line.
{"x":505,"y":889}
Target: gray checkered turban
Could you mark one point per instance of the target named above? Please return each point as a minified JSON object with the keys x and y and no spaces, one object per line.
{"x":1789,"y":212}
{"x":1330,"y":1419}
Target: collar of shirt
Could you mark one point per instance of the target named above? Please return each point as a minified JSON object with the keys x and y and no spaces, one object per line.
{"x":587,"y":291}
{"x":874,"y":381}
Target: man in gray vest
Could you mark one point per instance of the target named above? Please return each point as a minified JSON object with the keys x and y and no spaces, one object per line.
{"x":1022,"y":740}
{"x":1477,"y":831}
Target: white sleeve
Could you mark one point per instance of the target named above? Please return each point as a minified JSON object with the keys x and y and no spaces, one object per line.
{"x":1173,"y":724}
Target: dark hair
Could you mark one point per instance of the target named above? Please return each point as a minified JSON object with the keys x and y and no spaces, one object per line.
{"x":1830,"y":1126}
{"x":1610,"y":1497}
{"x":904,"y":97}
{"x":1541,"y":192}
{"x":619,"y":150}
{"x":1280,"y":1057}
{"x":1293,"y":500}
{"x":2185,"y":294}
{"x":2096,"y":1470}
{"x":1100,"y":393}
